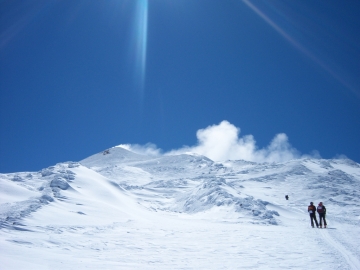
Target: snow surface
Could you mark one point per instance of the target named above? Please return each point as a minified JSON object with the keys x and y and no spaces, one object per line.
{"x":120,"y":210}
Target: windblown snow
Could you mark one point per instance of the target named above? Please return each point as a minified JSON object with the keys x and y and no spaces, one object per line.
{"x":121,"y":210}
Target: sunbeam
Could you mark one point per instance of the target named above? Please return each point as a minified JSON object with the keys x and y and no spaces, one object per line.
{"x":14,"y":23}
{"x":335,"y":74}
{"x":139,"y":46}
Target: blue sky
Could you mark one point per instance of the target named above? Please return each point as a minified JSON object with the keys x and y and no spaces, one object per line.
{"x":78,"y":77}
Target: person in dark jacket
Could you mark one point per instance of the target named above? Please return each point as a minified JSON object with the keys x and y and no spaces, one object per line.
{"x":286,"y":197}
{"x":322,"y":212}
{"x":312,"y":213}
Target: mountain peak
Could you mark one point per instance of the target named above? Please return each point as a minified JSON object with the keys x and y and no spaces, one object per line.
{"x":138,"y":200}
{"x":112,"y":156}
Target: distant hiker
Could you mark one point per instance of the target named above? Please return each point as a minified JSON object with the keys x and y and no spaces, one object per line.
{"x":312,"y":211}
{"x":286,"y":197}
{"x":322,"y":212}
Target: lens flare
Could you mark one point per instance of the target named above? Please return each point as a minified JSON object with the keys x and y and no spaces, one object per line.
{"x":19,"y":15}
{"x":139,"y":46}
{"x":333,"y":71}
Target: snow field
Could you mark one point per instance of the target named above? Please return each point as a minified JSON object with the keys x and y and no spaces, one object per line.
{"x":190,"y":244}
{"x":126,"y":211}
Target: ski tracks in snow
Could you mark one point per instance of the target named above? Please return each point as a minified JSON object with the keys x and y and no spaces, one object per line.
{"x":345,"y":252}
{"x":340,"y":239}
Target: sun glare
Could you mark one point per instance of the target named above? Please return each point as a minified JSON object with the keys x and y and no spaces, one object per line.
{"x":332,"y":70}
{"x":139,"y":45}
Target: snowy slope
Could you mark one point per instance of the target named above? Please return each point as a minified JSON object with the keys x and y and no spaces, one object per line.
{"x":121,"y":210}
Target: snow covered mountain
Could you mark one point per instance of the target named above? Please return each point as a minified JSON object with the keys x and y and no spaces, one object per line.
{"x":122,"y":210}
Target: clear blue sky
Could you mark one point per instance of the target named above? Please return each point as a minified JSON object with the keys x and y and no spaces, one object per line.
{"x":81,"y":76}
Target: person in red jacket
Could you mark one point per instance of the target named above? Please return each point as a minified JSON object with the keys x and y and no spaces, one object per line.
{"x":312,"y":211}
{"x":322,"y":212}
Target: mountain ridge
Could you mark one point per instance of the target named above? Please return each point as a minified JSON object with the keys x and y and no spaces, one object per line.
{"x":116,"y":187}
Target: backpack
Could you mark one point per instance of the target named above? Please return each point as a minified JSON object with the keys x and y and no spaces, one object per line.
{"x":321,"y":209}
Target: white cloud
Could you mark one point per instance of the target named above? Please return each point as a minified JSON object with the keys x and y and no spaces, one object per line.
{"x":340,"y":156}
{"x":222,"y":142}
{"x":148,"y":149}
